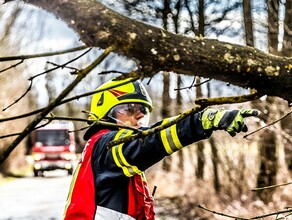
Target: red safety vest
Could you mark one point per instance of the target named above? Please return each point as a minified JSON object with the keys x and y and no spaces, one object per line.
{"x":80,"y":201}
{"x":141,"y":203}
{"x":81,"y":198}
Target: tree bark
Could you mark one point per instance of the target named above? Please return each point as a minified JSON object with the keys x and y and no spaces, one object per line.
{"x":248,"y":25}
{"x":267,"y":144}
{"x":99,"y":26}
{"x":287,"y":51}
{"x":287,"y":41}
{"x":165,"y":113}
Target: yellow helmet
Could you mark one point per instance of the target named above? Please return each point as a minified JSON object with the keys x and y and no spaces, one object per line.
{"x":119,"y":92}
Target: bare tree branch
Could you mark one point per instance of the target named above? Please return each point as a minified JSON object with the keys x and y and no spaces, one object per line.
{"x":270,"y":187}
{"x":45,"y":72}
{"x":12,"y":66}
{"x":268,"y":125}
{"x":201,"y":104}
{"x":82,"y":73}
{"x":132,"y":74}
{"x":228,"y":100}
{"x":289,"y":210}
{"x":25,"y":57}
{"x":148,"y":132}
{"x":193,"y":84}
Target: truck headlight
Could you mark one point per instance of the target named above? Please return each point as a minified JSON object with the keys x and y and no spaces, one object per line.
{"x":68,"y":166}
{"x":37,"y":156}
{"x":37,"y":166}
{"x":67,"y":156}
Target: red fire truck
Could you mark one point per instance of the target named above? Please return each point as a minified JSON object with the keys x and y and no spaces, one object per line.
{"x":53,"y":147}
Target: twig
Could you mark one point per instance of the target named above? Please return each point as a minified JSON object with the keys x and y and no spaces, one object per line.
{"x":268,"y":125}
{"x":18,"y":99}
{"x":63,"y":118}
{"x":227,"y":100}
{"x":24,"y":57}
{"x":241,"y":218}
{"x":193,"y":84}
{"x":105,"y":123}
{"x":272,"y":213}
{"x":271,"y":187}
{"x":12,"y":66}
{"x":112,"y":71}
{"x":148,"y":132}
{"x":222,"y":214}
{"x":62,"y":66}
{"x":135,"y":77}
{"x":82,"y":74}
{"x":15,"y":134}
{"x":47,"y":71}
{"x":201,"y":104}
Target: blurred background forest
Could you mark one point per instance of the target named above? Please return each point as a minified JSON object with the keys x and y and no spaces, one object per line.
{"x":219,"y":172}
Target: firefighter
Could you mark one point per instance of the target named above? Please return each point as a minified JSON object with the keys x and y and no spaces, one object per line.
{"x":109,"y":183}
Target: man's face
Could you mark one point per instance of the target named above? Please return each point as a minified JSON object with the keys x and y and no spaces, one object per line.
{"x":132,"y":114}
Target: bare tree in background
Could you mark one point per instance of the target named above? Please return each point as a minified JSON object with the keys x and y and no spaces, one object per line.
{"x":200,"y":145}
{"x":10,"y":90}
{"x":287,"y":51}
{"x":166,"y":106}
{"x":267,"y":144}
{"x":165,"y":51}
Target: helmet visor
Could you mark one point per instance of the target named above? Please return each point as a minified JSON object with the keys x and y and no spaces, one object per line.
{"x":132,"y":110}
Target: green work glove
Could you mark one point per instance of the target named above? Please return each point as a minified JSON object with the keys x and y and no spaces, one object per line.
{"x":231,"y":121}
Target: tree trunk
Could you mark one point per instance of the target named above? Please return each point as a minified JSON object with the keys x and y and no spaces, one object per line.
{"x":201,"y":159}
{"x":178,"y":106}
{"x":165,"y":110}
{"x":248,"y":24}
{"x":215,"y":161}
{"x":287,"y":51}
{"x":267,"y":144}
{"x":200,"y":145}
{"x":287,"y":40}
{"x":165,"y":113}
{"x":268,"y":165}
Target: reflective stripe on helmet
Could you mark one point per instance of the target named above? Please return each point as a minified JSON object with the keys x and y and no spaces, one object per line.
{"x":116,"y":92}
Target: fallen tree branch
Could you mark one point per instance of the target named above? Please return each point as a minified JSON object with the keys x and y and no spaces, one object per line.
{"x":228,"y":100}
{"x":148,"y":132}
{"x":247,"y":67}
{"x":201,"y":104}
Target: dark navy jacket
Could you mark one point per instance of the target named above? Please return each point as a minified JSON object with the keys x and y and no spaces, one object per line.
{"x":113,"y":167}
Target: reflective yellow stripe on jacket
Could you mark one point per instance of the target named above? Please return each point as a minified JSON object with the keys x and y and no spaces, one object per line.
{"x":120,"y":160}
{"x":169,"y":137}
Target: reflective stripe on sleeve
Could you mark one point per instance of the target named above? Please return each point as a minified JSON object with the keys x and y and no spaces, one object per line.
{"x":169,"y":137}
{"x":68,"y":200}
{"x":120,"y":160}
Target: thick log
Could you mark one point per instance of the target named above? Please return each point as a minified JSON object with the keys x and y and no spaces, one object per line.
{"x":154,"y":49}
